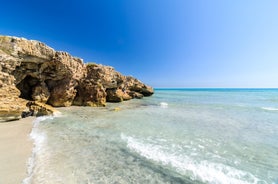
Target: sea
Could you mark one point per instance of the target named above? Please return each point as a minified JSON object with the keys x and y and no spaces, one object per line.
{"x":178,"y":136}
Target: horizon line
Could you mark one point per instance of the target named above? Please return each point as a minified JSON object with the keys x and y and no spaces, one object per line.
{"x":215,"y":87}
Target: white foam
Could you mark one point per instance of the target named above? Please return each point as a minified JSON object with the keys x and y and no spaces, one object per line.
{"x":270,"y":108}
{"x":204,"y":171}
{"x":57,"y":114}
{"x":163,"y":105}
{"x":39,"y":141}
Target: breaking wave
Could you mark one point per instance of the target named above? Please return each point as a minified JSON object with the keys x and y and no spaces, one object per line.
{"x":203,"y":171}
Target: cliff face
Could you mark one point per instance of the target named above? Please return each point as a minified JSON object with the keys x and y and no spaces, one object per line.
{"x":32,"y":71}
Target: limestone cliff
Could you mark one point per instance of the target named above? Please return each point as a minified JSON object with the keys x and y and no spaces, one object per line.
{"x":32,"y":71}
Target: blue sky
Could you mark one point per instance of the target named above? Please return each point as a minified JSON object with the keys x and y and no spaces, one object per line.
{"x":164,"y":43}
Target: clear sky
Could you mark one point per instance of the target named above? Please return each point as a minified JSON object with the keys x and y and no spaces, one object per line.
{"x":164,"y":43}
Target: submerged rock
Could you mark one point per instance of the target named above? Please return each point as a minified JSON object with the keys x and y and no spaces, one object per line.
{"x":32,"y":71}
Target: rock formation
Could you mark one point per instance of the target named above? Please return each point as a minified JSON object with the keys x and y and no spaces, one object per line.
{"x":32,"y":71}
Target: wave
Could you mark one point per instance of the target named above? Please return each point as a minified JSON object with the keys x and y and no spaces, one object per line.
{"x":39,"y":142}
{"x":270,"y":108}
{"x":203,"y":171}
{"x":163,"y":105}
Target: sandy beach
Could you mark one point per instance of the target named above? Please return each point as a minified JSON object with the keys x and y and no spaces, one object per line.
{"x":15,"y":150}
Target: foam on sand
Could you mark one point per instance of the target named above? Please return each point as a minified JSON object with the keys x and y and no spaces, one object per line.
{"x":40,"y":142}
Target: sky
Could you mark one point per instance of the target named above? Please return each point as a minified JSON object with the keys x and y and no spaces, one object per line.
{"x":164,"y":43}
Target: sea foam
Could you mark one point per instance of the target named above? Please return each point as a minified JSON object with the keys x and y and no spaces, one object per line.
{"x":163,"y":105}
{"x":39,"y":141}
{"x":270,"y":108}
{"x":204,"y":171}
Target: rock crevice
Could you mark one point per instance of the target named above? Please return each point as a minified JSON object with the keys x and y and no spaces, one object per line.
{"x":32,"y":71}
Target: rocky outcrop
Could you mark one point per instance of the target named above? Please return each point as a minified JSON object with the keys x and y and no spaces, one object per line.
{"x":11,"y":106}
{"x":32,"y":71}
{"x":36,"y":108}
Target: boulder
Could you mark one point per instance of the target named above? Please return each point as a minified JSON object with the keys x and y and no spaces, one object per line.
{"x":134,"y":84}
{"x":11,"y":106}
{"x":137,"y":95}
{"x":40,"y":109}
{"x":91,"y":94}
{"x":114,"y":95}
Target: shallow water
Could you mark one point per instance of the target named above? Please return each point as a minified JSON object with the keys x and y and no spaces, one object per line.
{"x":176,"y":136}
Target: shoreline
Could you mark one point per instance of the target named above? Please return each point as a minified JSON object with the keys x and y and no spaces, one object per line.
{"x":15,"y":150}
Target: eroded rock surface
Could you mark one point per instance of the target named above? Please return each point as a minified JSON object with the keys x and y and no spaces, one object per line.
{"x":40,"y":109}
{"x":32,"y":71}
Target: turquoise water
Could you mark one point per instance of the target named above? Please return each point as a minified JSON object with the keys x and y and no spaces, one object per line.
{"x":176,"y":136}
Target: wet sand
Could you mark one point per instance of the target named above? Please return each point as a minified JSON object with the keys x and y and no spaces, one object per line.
{"x":15,"y":150}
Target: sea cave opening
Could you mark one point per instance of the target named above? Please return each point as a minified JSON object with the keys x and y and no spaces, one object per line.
{"x":26,"y":86}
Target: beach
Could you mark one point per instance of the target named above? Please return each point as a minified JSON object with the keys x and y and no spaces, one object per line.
{"x":192,"y":136}
{"x":15,"y":150}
